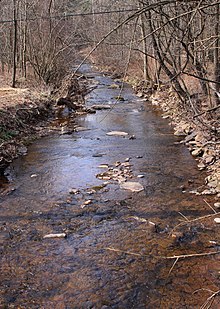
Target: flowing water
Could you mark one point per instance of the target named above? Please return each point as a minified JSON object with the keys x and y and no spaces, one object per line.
{"x":114,"y":255}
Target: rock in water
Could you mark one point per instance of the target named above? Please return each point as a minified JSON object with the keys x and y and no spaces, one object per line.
{"x":59,"y":235}
{"x":132,"y":186}
{"x":117,"y":133}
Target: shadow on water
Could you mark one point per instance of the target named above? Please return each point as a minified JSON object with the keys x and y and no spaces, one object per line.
{"x":113,"y":256}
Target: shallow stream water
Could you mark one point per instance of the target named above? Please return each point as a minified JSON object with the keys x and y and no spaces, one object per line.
{"x":117,"y":244}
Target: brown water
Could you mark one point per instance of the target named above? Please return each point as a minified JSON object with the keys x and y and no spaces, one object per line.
{"x":113,"y":256}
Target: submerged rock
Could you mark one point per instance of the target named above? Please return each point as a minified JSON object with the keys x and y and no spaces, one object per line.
{"x":132,"y":186}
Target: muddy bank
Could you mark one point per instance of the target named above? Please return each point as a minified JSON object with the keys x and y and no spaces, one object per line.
{"x":19,"y":125}
{"x":25,"y":115}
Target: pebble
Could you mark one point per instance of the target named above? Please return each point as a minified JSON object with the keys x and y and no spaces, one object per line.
{"x":217,"y":220}
{"x":197,"y":152}
{"x":217,"y":205}
{"x":117,"y":133}
{"x":59,"y":235}
{"x":209,"y":159}
{"x":140,"y":176}
{"x":74,"y":191}
{"x":132,"y":186}
{"x":87,"y":202}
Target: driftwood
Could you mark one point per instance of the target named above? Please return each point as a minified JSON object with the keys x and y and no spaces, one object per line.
{"x":72,"y":92}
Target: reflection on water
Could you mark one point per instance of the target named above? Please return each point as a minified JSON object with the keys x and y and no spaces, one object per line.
{"x":94,"y":267}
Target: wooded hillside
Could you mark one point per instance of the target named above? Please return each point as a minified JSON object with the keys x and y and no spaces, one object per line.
{"x":162,"y":42}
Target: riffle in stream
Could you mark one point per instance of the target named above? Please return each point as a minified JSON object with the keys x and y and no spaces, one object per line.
{"x":117,"y":244}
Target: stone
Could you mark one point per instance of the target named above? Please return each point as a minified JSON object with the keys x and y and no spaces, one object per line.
{"x":117,"y":133}
{"x":140,"y":94}
{"x":197,"y":152}
{"x":217,"y":220}
{"x":208,"y":192}
{"x":201,"y":166}
{"x":74,"y":191}
{"x":217,"y":205}
{"x":189,"y":137}
{"x":80,"y":129}
{"x":119,"y":98}
{"x":34,"y":175}
{"x":100,"y":107}
{"x":209,"y":159}
{"x":103,"y":166}
{"x":58,"y":235}
{"x":132,"y":186}
{"x":87,"y":202}
{"x":114,"y":86}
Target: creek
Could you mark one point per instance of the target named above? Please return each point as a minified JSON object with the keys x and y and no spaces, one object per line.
{"x":117,"y":240}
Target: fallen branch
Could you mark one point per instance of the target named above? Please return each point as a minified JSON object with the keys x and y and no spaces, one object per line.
{"x":210,"y":206}
{"x":127,"y":252}
{"x":184,"y":256}
{"x":207,"y":111}
{"x":207,"y":304}
{"x":194,"y":220}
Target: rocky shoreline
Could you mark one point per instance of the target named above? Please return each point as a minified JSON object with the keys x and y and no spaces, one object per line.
{"x":199,"y":133}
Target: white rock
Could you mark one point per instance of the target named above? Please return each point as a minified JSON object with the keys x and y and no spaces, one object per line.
{"x":59,"y":235}
{"x":117,"y":133}
{"x":103,"y":166}
{"x":34,"y":175}
{"x":217,"y":205}
{"x":140,"y":176}
{"x":197,"y":152}
{"x":132,"y":186}
{"x":217,"y":220}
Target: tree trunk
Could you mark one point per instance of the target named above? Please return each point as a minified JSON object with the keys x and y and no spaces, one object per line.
{"x":15,"y":44}
{"x":216,"y":56}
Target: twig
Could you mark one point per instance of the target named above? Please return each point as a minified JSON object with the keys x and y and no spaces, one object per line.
{"x":183,"y":216}
{"x":194,"y":220}
{"x":127,"y":252}
{"x":207,"y":111}
{"x":207,"y":304}
{"x":210,"y":206}
{"x":177,"y":259}
{"x":183,"y":256}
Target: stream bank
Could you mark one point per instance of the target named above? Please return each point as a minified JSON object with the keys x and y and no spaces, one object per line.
{"x":19,"y":125}
{"x":200,"y":131}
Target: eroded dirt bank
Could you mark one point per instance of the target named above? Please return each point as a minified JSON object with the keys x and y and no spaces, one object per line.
{"x":19,"y":125}
{"x":74,"y":236}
